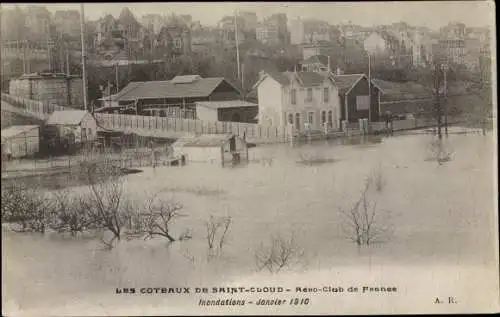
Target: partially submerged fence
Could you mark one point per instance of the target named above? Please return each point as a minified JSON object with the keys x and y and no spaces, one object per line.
{"x":252,"y":132}
{"x":191,"y":126}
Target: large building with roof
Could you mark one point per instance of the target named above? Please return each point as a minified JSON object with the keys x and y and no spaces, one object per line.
{"x":172,"y":98}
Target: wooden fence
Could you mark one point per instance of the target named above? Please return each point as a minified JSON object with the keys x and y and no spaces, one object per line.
{"x":191,"y":126}
{"x":253,"y":132}
{"x":39,"y":108}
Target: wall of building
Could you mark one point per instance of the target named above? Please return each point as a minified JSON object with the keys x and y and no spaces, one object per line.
{"x":207,"y":114}
{"x":90,"y":124}
{"x":375,"y":44}
{"x":60,"y":91}
{"x":23,"y":144}
{"x":316,"y":106}
{"x":270,"y":102}
{"x":199,"y":154}
{"x":361,"y":89}
{"x":238,"y":114}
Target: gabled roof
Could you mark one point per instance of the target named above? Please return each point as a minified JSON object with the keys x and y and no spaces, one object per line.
{"x":347,"y":82}
{"x":281,"y":78}
{"x":67,"y":117}
{"x":15,"y":130}
{"x":202,"y":87}
{"x":305,"y":79}
{"x":131,"y":86}
{"x":308,"y":79}
{"x":207,"y":140}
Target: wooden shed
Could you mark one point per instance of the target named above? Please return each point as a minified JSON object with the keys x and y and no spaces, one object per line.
{"x":214,"y":148}
{"x":20,"y":141}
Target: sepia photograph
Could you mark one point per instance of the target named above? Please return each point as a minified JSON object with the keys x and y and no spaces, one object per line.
{"x":249,"y":158}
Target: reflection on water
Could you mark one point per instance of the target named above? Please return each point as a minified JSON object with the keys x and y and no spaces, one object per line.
{"x":440,"y":214}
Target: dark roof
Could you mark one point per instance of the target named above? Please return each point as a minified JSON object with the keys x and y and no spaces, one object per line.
{"x":306,"y":79}
{"x":345,"y":82}
{"x":131,"y":86}
{"x":225,"y":104}
{"x":323,"y":59}
{"x":281,"y":78}
{"x":202,"y":87}
{"x":310,"y":78}
{"x":67,"y":117}
{"x":252,"y":95}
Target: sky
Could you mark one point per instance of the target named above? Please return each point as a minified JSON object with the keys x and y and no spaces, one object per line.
{"x":432,"y":14}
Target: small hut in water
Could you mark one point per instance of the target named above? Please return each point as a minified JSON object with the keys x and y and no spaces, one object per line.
{"x":215,"y":148}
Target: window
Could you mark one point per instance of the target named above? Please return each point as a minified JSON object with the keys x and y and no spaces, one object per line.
{"x":330,"y":118}
{"x":177,"y":43}
{"x":297,"y":120}
{"x":309,"y":95}
{"x":326,"y":94}
{"x":84,"y":134}
{"x":90,"y":133}
{"x":362,"y":103}
{"x":293,"y":96}
{"x":323,"y":117}
{"x":290,"y":118}
{"x":310,"y":118}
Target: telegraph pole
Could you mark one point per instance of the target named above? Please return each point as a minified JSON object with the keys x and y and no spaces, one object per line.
{"x":369,"y":88}
{"x":48,"y":46}
{"x":117,"y":77}
{"x":84,"y":57}
{"x":437,"y":84}
{"x":237,"y":43}
{"x":444,"y":67}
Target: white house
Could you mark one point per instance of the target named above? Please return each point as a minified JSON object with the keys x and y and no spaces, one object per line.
{"x":302,"y":99}
{"x":78,"y":125}
{"x":381,"y":42}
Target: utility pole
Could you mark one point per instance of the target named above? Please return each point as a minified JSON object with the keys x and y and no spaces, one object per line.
{"x":237,"y":43}
{"x":117,"y":77}
{"x":24,"y":56}
{"x":444,"y":67}
{"x":48,"y":45}
{"x":84,"y":57}
{"x":369,"y":88}
{"x":68,"y":71}
{"x":437,"y":84}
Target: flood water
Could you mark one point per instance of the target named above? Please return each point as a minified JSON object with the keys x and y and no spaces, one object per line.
{"x":436,"y":214}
